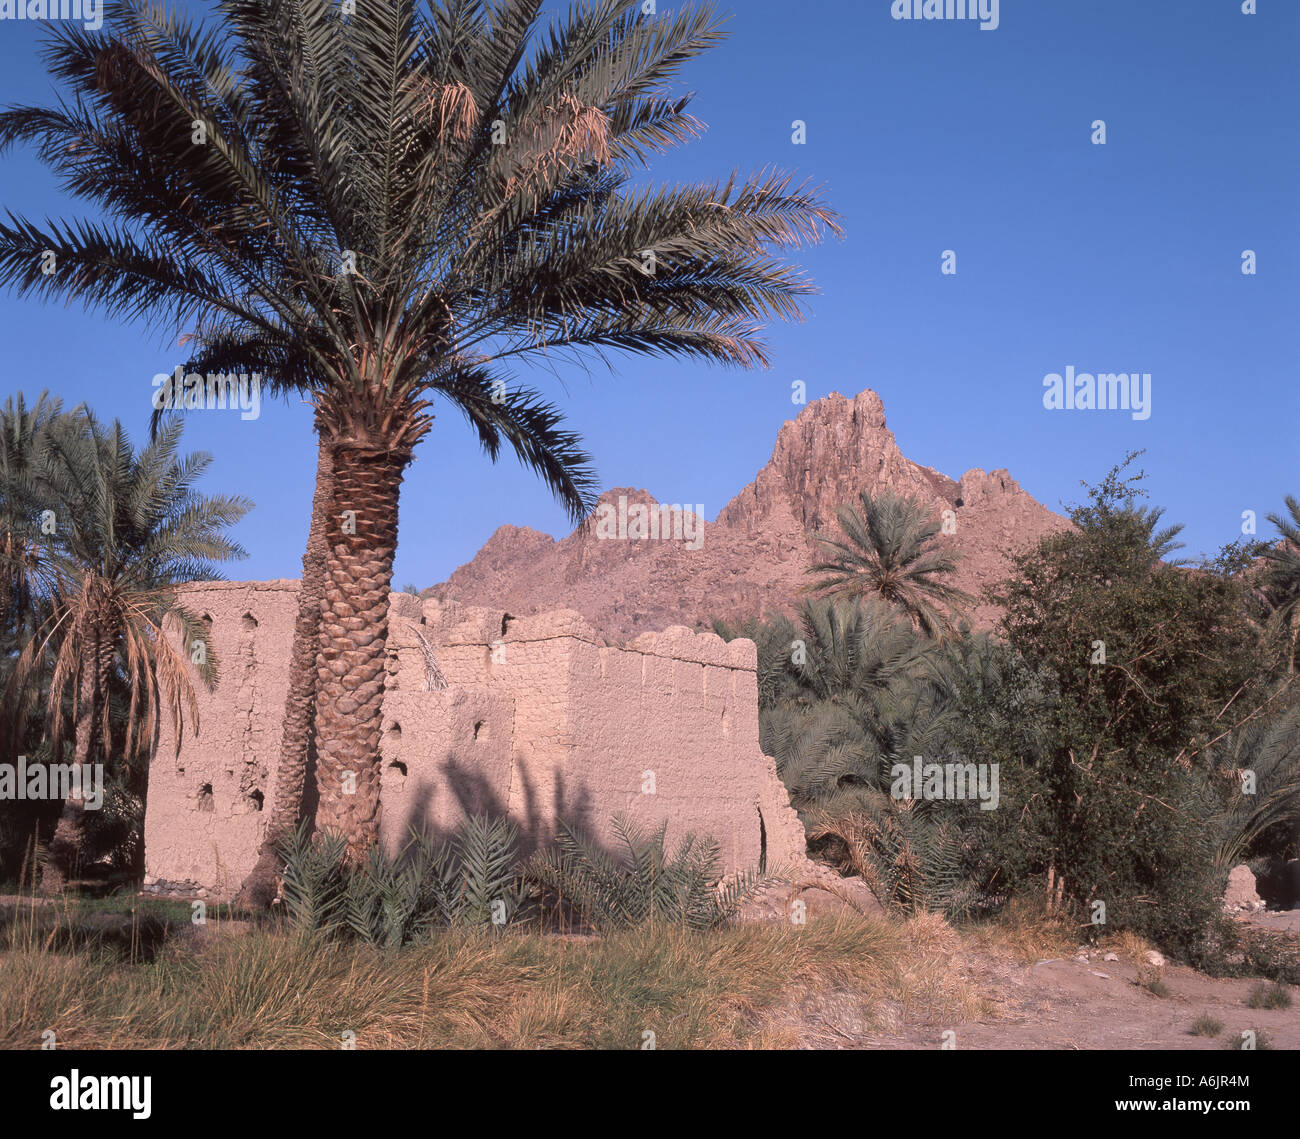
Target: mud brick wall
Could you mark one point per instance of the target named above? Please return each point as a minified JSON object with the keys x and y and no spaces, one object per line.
{"x":540,"y":719}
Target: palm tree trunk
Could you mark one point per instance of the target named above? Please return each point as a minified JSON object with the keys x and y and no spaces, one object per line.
{"x":259,"y":888}
{"x":361,"y":536}
{"x":69,"y":840}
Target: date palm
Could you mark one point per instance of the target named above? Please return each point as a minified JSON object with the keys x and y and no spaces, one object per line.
{"x":888,"y":550}
{"x":1282,"y":578}
{"x":388,"y":209}
{"x":844,"y":694}
{"x":132,"y":526}
{"x":23,"y":501}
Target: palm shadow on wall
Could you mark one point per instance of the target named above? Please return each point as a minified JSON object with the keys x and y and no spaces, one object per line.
{"x":475,"y":795}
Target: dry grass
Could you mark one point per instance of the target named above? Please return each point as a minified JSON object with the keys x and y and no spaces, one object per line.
{"x":1128,"y":946}
{"x":1269,"y":994}
{"x":744,"y":987}
{"x":1025,"y":932}
{"x":1149,"y":977}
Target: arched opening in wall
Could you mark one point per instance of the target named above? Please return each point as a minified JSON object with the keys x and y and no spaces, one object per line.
{"x":256,"y":799}
{"x":726,"y":721}
{"x":395,"y":732}
{"x":249,"y":622}
{"x":398,"y":766}
{"x":762,"y":843}
{"x":205,"y":800}
{"x":506,"y":618}
{"x":480,"y":729}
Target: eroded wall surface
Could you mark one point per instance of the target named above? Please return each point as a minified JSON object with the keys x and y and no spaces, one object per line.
{"x":539,"y":718}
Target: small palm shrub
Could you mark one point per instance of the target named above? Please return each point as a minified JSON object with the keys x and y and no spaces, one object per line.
{"x":314,"y":886}
{"x":912,"y":859}
{"x":641,"y":882}
{"x":1206,"y":1025}
{"x":396,"y":900}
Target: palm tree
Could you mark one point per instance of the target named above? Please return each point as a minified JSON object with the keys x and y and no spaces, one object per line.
{"x":259,"y":888}
{"x":23,"y":498}
{"x":28,"y":535}
{"x":844,"y":694}
{"x":1269,"y":746}
{"x":1161,"y":542}
{"x":133,"y":527}
{"x":888,"y":551}
{"x":1282,"y":580}
{"x":389,"y":209}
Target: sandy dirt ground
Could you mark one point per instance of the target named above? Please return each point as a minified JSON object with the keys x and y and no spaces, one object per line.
{"x":1065,"y":1003}
{"x":1058,"y":1003}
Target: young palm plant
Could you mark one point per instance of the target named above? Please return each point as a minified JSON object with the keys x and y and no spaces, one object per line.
{"x":640,"y":881}
{"x":133,"y":526}
{"x":888,"y":551}
{"x":391,"y":208}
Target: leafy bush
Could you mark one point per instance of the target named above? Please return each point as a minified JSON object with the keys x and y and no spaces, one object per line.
{"x":642,"y":883}
{"x":1149,"y":666}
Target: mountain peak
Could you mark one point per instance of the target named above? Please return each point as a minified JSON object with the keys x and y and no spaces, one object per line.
{"x":753,"y":559}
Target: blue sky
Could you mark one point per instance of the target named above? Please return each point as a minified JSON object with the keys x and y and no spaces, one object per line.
{"x":929,"y":136}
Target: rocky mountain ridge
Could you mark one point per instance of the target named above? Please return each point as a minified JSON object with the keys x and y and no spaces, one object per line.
{"x":754,"y":556}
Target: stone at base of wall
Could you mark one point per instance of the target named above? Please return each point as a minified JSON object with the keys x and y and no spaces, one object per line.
{"x":161,"y":888}
{"x":807,"y":890}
